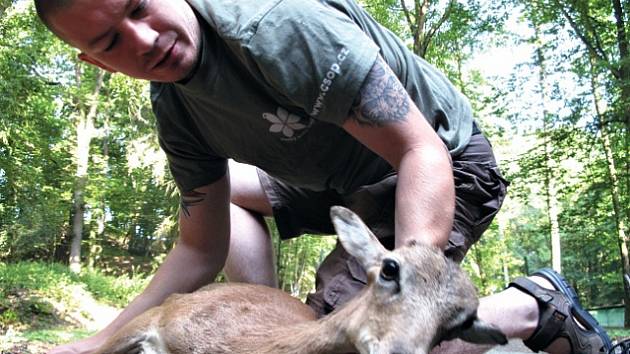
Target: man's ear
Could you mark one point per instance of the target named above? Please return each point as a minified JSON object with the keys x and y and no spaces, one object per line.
{"x":88,"y":59}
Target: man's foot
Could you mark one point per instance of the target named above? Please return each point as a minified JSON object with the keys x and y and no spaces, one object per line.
{"x":563,"y":323}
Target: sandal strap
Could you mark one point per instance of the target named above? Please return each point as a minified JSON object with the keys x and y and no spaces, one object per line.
{"x":551,"y":317}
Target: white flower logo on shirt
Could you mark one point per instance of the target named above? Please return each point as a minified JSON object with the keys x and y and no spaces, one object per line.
{"x":284,"y":122}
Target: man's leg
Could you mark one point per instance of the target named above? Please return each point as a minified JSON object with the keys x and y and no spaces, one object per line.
{"x":513,"y":312}
{"x":250,"y":259}
{"x":296,"y":212}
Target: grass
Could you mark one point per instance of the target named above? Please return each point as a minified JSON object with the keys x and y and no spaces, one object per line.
{"x":55,"y":336}
{"x":116,"y":291}
{"x":53,"y":280}
{"x":618,"y":333}
{"x":47,"y":304}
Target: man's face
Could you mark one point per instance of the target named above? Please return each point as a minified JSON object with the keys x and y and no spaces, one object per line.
{"x":148,"y":39}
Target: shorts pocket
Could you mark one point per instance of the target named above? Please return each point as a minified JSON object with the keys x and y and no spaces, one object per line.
{"x":480,"y":190}
{"x":345,"y":285}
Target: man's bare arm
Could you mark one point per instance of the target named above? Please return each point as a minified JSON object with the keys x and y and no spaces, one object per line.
{"x":384,"y":118}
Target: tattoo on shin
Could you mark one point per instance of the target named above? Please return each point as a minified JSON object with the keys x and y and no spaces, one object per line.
{"x":382,"y":98}
{"x":189,"y":199}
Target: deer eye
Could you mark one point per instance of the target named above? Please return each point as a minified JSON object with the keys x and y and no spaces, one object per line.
{"x":390,"y":270}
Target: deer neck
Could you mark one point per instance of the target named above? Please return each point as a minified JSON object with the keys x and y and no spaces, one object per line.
{"x":326,"y":335}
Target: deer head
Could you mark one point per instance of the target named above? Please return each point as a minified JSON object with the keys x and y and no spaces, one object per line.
{"x":416,"y":297}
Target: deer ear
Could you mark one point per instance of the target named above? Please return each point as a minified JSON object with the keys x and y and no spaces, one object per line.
{"x":356,"y":238}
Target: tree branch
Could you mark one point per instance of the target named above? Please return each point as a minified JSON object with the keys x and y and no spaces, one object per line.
{"x":437,"y":25}
{"x":594,"y":50}
{"x":412,"y":27}
{"x":622,"y":37}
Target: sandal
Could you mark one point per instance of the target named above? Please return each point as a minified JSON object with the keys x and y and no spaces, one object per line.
{"x":560,"y":310}
{"x":623,"y":347}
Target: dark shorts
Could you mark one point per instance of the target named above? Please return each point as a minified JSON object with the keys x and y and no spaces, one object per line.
{"x":479,"y":188}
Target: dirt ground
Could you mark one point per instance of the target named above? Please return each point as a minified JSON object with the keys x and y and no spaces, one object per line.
{"x":27,"y":348}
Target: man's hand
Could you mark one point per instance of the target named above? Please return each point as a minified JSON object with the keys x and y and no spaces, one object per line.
{"x":84,"y":346}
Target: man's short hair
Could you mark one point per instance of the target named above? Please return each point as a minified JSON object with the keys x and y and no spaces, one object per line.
{"x":46,"y":8}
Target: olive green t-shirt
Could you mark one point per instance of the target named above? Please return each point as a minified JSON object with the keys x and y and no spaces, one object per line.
{"x":275,"y":81}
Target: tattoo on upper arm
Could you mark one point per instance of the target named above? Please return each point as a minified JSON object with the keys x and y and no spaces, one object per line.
{"x":189,"y":199}
{"x":382,"y":98}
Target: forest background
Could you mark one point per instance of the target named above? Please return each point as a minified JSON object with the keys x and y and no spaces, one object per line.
{"x":88,"y":208}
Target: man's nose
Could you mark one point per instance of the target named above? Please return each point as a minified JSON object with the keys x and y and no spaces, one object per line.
{"x":142,"y":37}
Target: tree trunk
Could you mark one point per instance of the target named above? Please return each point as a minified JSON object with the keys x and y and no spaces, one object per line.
{"x":420,"y":43}
{"x":295,"y":255}
{"x":78,"y":207}
{"x":551,"y":191}
{"x":613,"y":177}
{"x":85,"y":131}
{"x":96,"y":236}
{"x":552,"y":206}
{"x":461,"y":82}
{"x":623,"y":218}
{"x":623,"y":44}
{"x":505,"y":267}
{"x":271,"y":226}
{"x":301,"y":265}
{"x":475,"y":260}
{"x":619,"y":68}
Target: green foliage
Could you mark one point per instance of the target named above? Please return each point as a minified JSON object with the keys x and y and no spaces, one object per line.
{"x":618,"y":333}
{"x":116,"y":291}
{"x":39,"y":295}
{"x":129,"y":194}
{"x":33,"y":153}
{"x":389,"y":14}
{"x":46,"y":303}
{"x":48,"y":278}
{"x":297,"y":260}
{"x":4,"y":5}
{"x":589,"y":257}
{"x":471,"y":28}
{"x":53,"y":280}
{"x":577,"y":42}
{"x":56,"y":336}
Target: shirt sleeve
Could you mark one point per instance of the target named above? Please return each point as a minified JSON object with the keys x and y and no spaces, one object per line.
{"x":191,"y":161}
{"x":314,"y":55}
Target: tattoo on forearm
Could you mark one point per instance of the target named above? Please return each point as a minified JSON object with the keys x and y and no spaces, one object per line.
{"x":382,"y":98}
{"x":189,"y":199}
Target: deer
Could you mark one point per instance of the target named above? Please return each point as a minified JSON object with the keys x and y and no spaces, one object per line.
{"x":414,"y":299}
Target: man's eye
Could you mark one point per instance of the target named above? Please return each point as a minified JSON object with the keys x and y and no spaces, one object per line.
{"x":112,"y":44}
{"x":137,"y":12}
